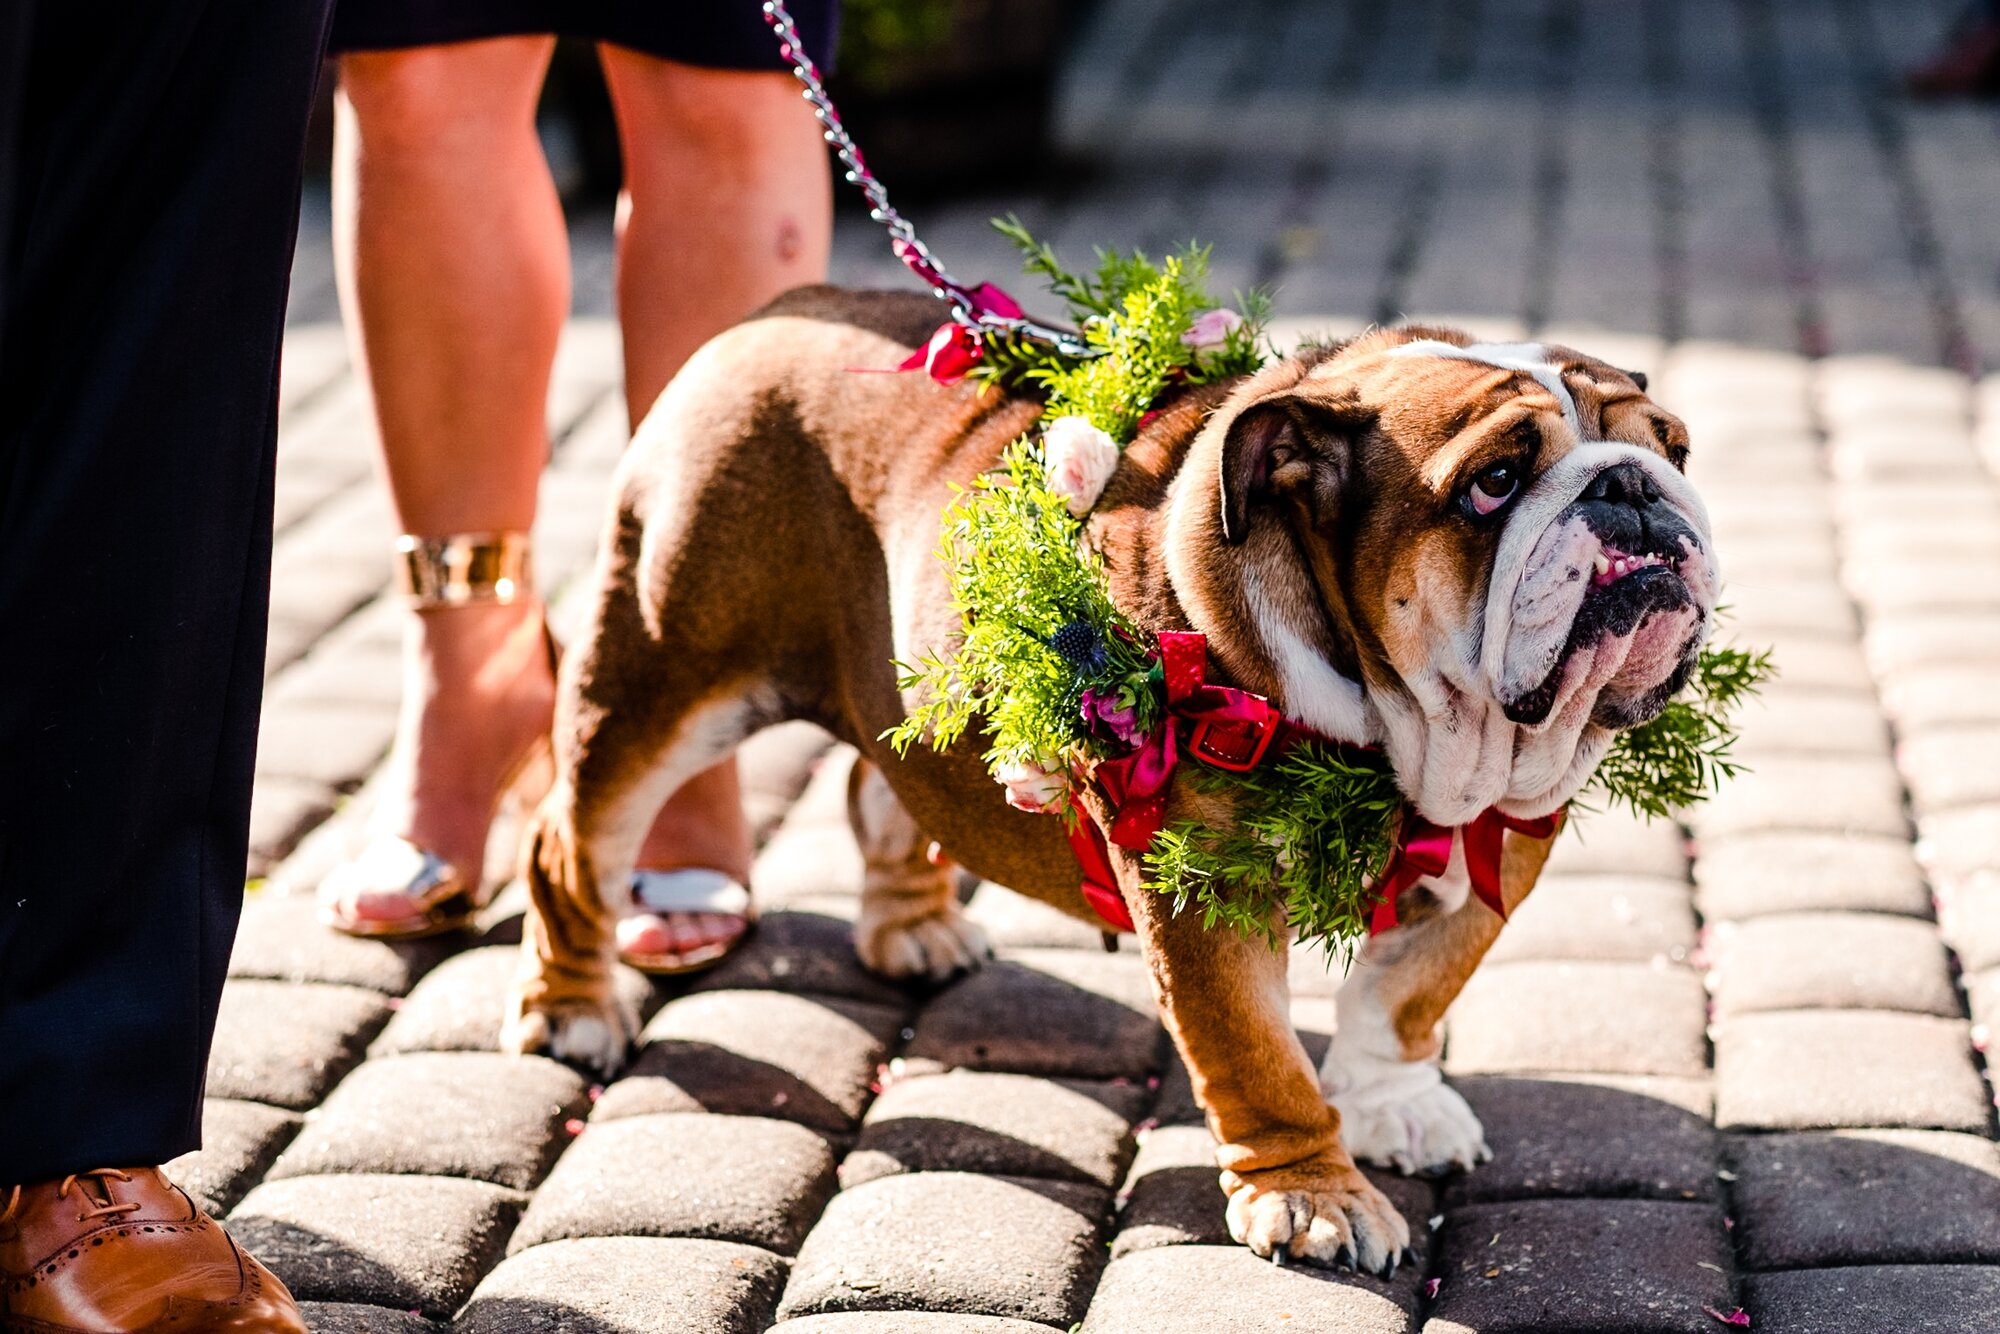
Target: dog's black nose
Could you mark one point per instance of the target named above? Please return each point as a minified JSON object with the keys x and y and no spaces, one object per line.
{"x":1623,"y":484}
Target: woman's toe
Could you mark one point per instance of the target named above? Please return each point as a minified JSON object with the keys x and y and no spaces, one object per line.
{"x":646,"y":933}
{"x":380,"y":905}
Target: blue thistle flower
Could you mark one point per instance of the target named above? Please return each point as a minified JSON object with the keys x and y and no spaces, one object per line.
{"x":1082,"y":646}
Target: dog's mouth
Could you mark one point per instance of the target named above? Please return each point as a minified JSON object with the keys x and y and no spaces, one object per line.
{"x":1613,"y":565}
{"x":1634,"y":639}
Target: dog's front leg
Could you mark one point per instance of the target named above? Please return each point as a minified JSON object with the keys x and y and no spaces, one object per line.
{"x":1292,"y":1186}
{"x":1381,"y":1072}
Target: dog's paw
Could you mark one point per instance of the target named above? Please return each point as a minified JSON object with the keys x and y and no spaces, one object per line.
{"x":1338,"y":1218}
{"x":1413,"y":1122}
{"x":594,"y":1037}
{"x":935,"y":947}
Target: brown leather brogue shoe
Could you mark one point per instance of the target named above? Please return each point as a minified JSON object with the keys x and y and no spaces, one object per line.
{"x":125,"y":1251}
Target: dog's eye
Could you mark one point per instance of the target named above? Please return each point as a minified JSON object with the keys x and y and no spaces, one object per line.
{"x":1493,"y":487}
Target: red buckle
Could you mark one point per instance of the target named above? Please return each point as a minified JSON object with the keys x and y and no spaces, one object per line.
{"x":1233,"y":744}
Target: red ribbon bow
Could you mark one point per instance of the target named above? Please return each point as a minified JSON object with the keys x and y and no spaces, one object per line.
{"x":948,"y":354}
{"x":1228,"y":728}
{"x":1423,"y":851}
{"x":1236,"y":730}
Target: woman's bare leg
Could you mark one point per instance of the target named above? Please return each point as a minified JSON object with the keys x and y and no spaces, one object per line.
{"x":454,"y":274}
{"x":728,"y":201}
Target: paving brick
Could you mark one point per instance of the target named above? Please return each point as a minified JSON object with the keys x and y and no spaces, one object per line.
{"x":1897,"y":642}
{"x":456,"y":1114}
{"x":281,"y":811}
{"x":355,"y":664}
{"x":1958,"y":845}
{"x":1173,"y":1197}
{"x":1786,"y":721}
{"x":1015,"y":921}
{"x":333,"y":745}
{"x":1953,"y":767}
{"x":1909,"y":1299}
{"x":1751,"y":875}
{"x":1579,"y":1017}
{"x":1927,"y":698}
{"x":952,"y":1241}
{"x":1812,"y":556}
{"x":807,"y":864}
{"x":1633,"y":918}
{"x":1837,"y":794}
{"x":1969,"y":919}
{"x":1616,"y":843}
{"x":622,"y":1285}
{"x":906,"y":1322}
{"x":460,"y":1004}
{"x":1002,"y":1125}
{"x":1805,"y":506}
{"x":725,"y":1178}
{"x":801,"y":951}
{"x":1812,"y":662}
{"x":1859,"y":1197}
{"x":1227,"y":1290}
{"x":758,"y":1053}
{"x":1806,"y":606}
{"x":281,"y":939}
{"x":412,"y":1243}
{"x":1047,"y":1012}
{"x":239,"y":1142}
{"x":1828,"y":1069}
{"x":1983,"y":991}
{"x":1927,"y":583}
{"x":1852,"y":961}
{"x":1631,"y":1137}
{"x":1582,"y":1266}
{"x":351,"y":1318}
{"x":288,"y":1043}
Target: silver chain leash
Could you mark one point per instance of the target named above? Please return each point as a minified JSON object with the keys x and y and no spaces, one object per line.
{"x":968,"y":306}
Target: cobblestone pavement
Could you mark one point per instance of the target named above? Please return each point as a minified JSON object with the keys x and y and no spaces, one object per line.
{"x":1736,"y":1064}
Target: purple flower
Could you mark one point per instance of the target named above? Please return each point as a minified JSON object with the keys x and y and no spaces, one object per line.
{"x":1105,"y":717}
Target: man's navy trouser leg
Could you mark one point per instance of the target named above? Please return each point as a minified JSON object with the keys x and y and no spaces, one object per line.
{"x":149,"y":176}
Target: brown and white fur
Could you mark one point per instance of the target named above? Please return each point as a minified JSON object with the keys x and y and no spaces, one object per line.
{"x":771,"y":552}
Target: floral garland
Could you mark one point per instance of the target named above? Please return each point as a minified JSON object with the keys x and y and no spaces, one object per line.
{"x":1067,"y":688}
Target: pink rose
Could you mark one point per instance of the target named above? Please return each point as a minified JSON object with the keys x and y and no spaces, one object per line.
{"x":1080,"y":460}
{"x":1211,"y":328}
{"x":1031,"y":786}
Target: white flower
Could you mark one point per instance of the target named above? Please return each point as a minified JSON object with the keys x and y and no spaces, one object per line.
{"x":1080,"y":460}
{"x":1032,"y":786}
{"x":1211,"y":329}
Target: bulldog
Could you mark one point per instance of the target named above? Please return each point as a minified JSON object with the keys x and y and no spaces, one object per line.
{"x":1482,"y":559}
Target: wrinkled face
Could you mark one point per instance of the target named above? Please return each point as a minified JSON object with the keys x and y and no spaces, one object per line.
{"x":1491,"y":545}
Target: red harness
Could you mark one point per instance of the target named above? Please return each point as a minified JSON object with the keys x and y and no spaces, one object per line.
{"x":1237,"y":730}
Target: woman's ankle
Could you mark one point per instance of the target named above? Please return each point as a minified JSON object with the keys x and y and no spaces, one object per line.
{"x":479,"y":694}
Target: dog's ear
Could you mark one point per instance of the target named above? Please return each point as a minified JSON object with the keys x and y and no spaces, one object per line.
{"x":1638,"y":378}
{"x":1288,"y":445}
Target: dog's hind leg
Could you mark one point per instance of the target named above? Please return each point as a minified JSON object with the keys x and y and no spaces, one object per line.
{"x":1381,"y":1072}
{"x":638,"y":715}
{"x":911,"y":924}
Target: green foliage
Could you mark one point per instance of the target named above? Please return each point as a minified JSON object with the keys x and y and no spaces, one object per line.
{"x":1018,"y":574}
{"x":1132,"y":313}
{"x":1661,"y":768}
{"x":1311,"y":831}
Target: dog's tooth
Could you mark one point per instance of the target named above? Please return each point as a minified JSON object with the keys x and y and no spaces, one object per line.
{"x":1602,"y":563}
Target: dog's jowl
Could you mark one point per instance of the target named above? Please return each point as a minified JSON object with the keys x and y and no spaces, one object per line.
{"x":1481,"y":559}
